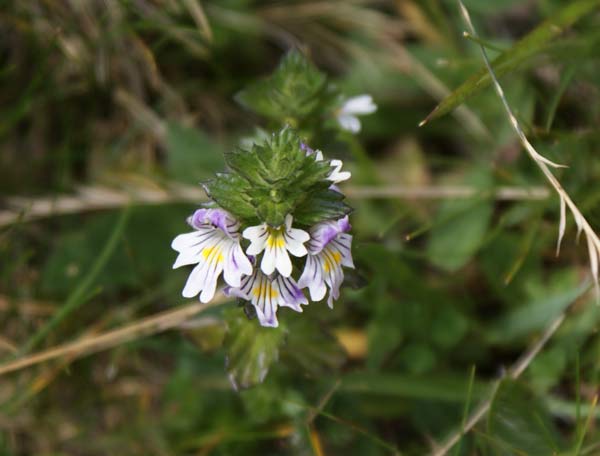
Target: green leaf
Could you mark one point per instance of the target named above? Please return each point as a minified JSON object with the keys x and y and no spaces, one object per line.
{"x":230,"y":191}
{"x":323,"y":205}
{"x":312,"y":349}
{"x":192,"y":155}
{"x":547,"y":368}
{"x":537,"y":313}
{"x":459,"y":229}
{"x":439,"y":387}
{"x":385,"y":331}
{"x":518,"y":423}
{"x":448,"y":327}
{"x":250,"y":348}
{"x":533,"y":43}
{"x":418,"y":358}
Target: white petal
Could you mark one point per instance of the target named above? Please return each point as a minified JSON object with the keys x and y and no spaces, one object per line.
{"x":267,"y":264}
{"x":258,"y":237}
{"x":343,"y":243}
{"x":247,"y":285}
{"x":255,"y":248}
{"x":236,"y":265}
{"x":361,"y":104}
{"x":270,"y":308}
{"x":205,"y":275}
{"x":330,"y":301}
{"x":334,"y":287}
{"x":236,"y":293}
{"x":212,"y":276}
{"x":290,"y":294}
{"x":332,"y":271}
{"x":215,"y":263}
{"x":187,"y":240}
{"x":264,"y":298}
{"x":294,"y":241}
{"x":297,"y":235}
{"x":283,"y":262}
{"x":349,"y":122}
{"x":242,"y":261}
{"x":255,"y":233}
{"x":188,"y":257}
{"x":295,"y":248}
{"x":267,"y":321}
{"x":317,"y":291}
{"x":191,"y":245}
{"x":194,"y":282}
{"x":313,"y":279}
{"x":295,"y":238}
{"x":337,"y":175}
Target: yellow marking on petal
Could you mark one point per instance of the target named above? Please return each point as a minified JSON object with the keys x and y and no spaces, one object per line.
{"x":332,"y":259}
{"x":337,"y":256}
{"x":211,"y":252}
{"x":258,"y":291}
{"x":275,"y":239}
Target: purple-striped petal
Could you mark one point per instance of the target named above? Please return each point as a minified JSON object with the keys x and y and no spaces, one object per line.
{"x":218,"y":218}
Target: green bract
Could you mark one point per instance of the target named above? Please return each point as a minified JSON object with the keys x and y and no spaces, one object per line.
{"x":275,"y":178}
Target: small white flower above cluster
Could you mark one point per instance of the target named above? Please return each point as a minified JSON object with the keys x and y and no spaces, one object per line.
{"x":347,"y":115}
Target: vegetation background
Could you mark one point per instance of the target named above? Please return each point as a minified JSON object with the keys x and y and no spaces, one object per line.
{"x":107,"y":102}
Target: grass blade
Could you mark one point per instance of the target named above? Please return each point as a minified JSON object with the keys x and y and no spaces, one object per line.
{"x":533,"y":43}
{"x":78,"y":296}
{"x":466,"y":410}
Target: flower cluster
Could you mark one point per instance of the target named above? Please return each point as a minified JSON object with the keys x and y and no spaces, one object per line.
{"x":277,"y":212}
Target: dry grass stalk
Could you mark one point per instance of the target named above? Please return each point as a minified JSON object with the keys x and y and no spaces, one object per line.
{"x":102,"y":198}
{"x":593,"y":242}
{"x":93,"y":344}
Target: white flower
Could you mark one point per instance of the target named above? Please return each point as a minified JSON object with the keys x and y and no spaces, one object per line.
{"x":353,"y":107}
{"x":276,"y":242}
{"x":268,"y":293}
{"x":215,"y":247}
{"x":337,"y":175}
{"x":329,"y":249}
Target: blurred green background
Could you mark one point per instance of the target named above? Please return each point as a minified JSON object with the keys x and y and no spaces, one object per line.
{"x":106,"y":101}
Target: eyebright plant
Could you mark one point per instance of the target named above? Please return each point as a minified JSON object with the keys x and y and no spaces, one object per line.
{"x":276,"y":228}
{"x":276,"y":215}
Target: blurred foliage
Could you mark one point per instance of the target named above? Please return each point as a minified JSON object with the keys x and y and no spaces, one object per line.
{"x":142,"y":94}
